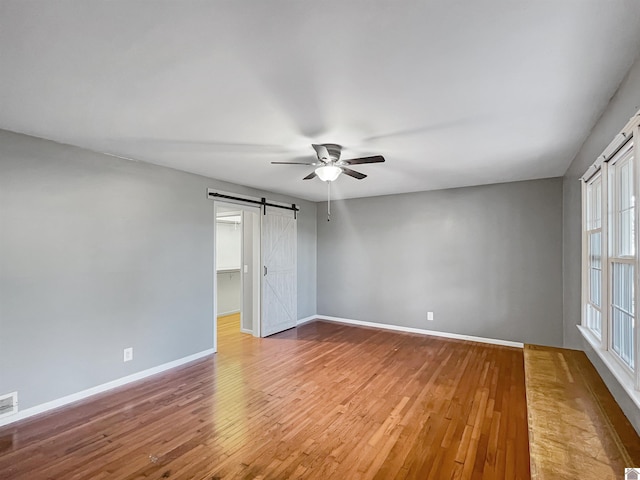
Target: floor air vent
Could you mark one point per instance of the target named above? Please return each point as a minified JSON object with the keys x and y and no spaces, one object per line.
{"x":8,"y":404}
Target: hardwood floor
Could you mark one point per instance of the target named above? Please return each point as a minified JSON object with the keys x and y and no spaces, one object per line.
{"x":323,"y":401}
{"x":577,"y":430}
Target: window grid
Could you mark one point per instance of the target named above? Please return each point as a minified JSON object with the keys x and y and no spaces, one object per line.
{"x":622,"y":259}
{"x":622,"y":312}
{"x":611,"y":267}
{"x":594,"y":248}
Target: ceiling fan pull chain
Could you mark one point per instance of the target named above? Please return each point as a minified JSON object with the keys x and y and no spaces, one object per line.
{"x":328,"y":201}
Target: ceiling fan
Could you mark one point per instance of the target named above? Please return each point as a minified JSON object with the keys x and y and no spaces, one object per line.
{"x":329,"y":164}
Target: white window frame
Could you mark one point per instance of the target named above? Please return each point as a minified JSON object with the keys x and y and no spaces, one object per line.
{"x":628,"y":378}
{"x":588,"y":230}
{"x":612,"y":257}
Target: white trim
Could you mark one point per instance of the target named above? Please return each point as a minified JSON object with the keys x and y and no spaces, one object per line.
{"x":302,"y":321}
{"x":584,"y":256}
{"x":614,"y":366}
{"x":255,"y":275}
{"x":74,"y":397}
{"x":214,"y":266}
{"x":434,"y":333}
{"x":605,"y":300}
{"x":614,"y":146}
{"x":230,"y":312}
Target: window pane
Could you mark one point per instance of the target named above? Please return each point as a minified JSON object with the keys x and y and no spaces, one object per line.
{"x":594,"y":320}
{"x":611,"y":203}
{"x":597,"y":215}
{"x":622,"y":311}
{"x":594,"y":205}
{"x":625,"y":210}
{"x":595,"y":268}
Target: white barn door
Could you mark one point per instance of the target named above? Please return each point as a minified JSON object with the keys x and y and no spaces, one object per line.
{"x":279,"y":271}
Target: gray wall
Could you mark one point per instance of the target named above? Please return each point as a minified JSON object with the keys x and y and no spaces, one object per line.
{"x":98,"y":254}
{"x":307,"y":257}
{"x":486,"y":260}
{"x":624,"y":104}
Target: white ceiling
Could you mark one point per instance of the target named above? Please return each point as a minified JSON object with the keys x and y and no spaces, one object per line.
{"x":452,"y":93}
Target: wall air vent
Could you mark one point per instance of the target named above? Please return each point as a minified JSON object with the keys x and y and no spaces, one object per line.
{"x":8,"y":404}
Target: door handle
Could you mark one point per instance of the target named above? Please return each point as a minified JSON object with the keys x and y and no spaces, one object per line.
{"x":265,"y":270}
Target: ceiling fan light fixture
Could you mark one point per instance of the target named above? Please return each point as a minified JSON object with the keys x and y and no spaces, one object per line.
{"x":328,"y":173}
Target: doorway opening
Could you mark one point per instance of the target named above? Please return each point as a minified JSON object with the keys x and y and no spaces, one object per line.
{"x":267,"y":267}
{"x":237,"y":275}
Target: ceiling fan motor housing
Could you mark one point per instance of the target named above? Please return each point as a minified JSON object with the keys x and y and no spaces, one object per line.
{"x":334,"y":152}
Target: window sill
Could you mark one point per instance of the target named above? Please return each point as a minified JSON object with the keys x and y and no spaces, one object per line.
{"x":622,"y":376}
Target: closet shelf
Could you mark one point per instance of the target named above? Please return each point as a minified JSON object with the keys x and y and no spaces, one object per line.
{"x":228,"y":270}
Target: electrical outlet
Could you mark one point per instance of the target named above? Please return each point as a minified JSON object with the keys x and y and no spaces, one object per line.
{"x":430,"y":316}
{"x":8,"y":404}
{"x":128,"y":354}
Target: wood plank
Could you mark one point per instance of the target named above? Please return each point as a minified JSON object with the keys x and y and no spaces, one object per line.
{"x":577,"y":430}
{"x":320,"y":401}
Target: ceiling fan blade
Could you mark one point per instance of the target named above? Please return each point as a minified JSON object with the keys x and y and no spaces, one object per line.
{"x":323,"y":153}
{"x":358,"y":161}
{"x":425,"y":129}
{"x":292,"y":163}
{"x":310,"y":176}
{"x":353,"y":173}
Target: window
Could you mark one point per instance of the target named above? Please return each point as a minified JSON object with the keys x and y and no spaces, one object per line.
{"x":593,"y":229}
{"x":622,"y":256}
{"x":611,"y":263}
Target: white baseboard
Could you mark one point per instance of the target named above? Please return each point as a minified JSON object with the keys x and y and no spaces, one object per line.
{"x":230,"y":312}
{"x":74,"y":397}
{"x":304,"y":320}
{"x":434,"y":333}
